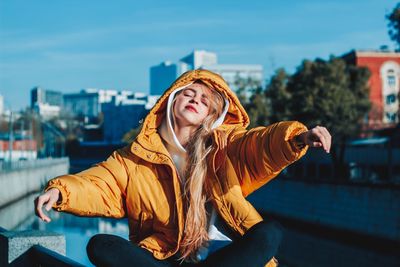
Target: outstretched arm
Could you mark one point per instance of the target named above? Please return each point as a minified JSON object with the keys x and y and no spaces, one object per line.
{"x":97,"y":191}
{"x":260,"y":154}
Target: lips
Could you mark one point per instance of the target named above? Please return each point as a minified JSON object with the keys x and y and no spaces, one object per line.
{"x":191,"y":108}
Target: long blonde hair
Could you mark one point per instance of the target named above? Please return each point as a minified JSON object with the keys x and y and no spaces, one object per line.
{"x":194,"y":195}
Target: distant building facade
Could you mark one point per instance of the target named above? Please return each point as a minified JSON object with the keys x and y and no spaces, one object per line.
{"x":47,"y":111}
{"x":384,"y":84}
{"x":199,"y":58}
{"x":85,"y":104}
{"x":162,"y":76}
{"x":44,"y":96}
{"x":122,"y":111}
{"x":46,"y":103}
{"x":231,"y":73}
{"x":122,"y":115}
{"x":88,"y":102}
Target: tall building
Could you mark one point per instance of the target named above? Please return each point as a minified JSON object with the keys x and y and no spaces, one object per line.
{"x":384,"y":84}
{"x":45,"y":102}
{"x":122,"y":115}
{"x":199,"y":58}
{"x":47,"y":111}
{"x":88,"y":102}
{"x":44,"y":96}
{"x":84,"y":103}
{"x":162,"y":76}
{"x":233,"y":72}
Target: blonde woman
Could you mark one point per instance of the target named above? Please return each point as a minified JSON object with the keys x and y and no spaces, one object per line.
{"x":183,"y":182}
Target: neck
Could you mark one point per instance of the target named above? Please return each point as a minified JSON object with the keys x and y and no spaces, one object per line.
{"x":183,"y":133}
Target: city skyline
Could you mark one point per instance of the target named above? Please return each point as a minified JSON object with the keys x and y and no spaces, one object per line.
{"x":110,"y":46}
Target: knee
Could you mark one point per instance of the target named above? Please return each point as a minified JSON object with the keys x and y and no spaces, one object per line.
{"x":96,"y":241}
{"x":268,"y":232}
{"x":97,"y":245}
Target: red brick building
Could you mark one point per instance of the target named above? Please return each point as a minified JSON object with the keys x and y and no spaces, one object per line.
{"x":384,"y":83}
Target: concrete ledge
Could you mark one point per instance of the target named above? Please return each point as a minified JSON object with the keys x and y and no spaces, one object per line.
{"x":14,"y":245}
{"x":46,"y":257}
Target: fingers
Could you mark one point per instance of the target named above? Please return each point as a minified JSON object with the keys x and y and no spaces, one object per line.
{"x":40,"y":201}
{"x":316,"y":144}
{"x":328,"y":138}
{"x":52,"y":200}
{"x":322,"y":138}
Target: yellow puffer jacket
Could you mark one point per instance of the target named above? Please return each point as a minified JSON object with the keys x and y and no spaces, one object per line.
{"x":140,"y":180}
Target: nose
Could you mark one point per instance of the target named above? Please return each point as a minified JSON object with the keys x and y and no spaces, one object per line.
{"x":195,"y":99}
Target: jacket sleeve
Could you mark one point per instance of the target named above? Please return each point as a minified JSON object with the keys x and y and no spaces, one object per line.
{"x":260,"y":154}
{"x":97,"y":191}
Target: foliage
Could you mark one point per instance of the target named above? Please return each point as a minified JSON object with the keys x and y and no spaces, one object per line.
{"x":277,"y":93}
{"x":252,"y":97}
{"x":328,"y":93}
{"x":394,"y":25}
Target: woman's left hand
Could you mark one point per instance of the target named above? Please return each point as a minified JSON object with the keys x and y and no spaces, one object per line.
{"x":316,"y":137}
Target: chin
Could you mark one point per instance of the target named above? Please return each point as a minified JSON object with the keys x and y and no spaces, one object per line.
{"x":189,"y":120}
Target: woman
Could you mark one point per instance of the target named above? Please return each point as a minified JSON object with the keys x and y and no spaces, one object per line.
{"x":182,"y":183}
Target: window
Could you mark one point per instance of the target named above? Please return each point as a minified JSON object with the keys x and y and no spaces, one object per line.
{"x":391,"y":78}
{"x":391,"y":117}
{"x":390,"y":99}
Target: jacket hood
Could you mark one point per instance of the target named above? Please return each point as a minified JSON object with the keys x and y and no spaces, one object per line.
{"x":236,"y":115}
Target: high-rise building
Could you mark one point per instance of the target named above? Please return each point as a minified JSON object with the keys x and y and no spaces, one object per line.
{"x":232,"y":73}
{"x":88,"y":101}
{"x":44,"y":96}
{"x":384,"y":84}
{"x":199,"y":58}
{"x":45,"y":102}
{"x":122,"y":115}
{"x":162,"y":76}
{"x":85,"y":104}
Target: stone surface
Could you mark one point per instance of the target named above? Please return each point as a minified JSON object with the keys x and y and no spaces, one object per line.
{"x":14,"y":244}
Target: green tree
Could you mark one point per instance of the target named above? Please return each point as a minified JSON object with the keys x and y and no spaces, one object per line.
{"x":257,"y":108}
{"x":329,"y":93}
{"x":394,"y":25}
{"x":245,"y":87}
{"x":252,"y":97}
{"x":278,"y":95}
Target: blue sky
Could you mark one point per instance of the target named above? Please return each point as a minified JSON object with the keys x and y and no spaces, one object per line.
{"x":70,"y":45}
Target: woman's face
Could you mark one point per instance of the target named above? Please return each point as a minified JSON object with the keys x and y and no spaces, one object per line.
{"x":192,"y":105}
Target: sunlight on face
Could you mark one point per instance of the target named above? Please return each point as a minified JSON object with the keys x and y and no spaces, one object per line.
{"x":192,"y":105}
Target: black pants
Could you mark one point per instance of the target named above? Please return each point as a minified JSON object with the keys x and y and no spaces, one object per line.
{"x":255,"y":248}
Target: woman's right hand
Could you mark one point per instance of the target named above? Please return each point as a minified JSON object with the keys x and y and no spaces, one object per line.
{"x":48,"y":199}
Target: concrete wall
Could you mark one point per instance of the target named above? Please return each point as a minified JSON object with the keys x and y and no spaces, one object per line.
{"x":28,"y":178}
{"x":368,"y":210}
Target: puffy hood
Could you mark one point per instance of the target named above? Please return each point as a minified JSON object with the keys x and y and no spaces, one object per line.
{"x":235,"y":115}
